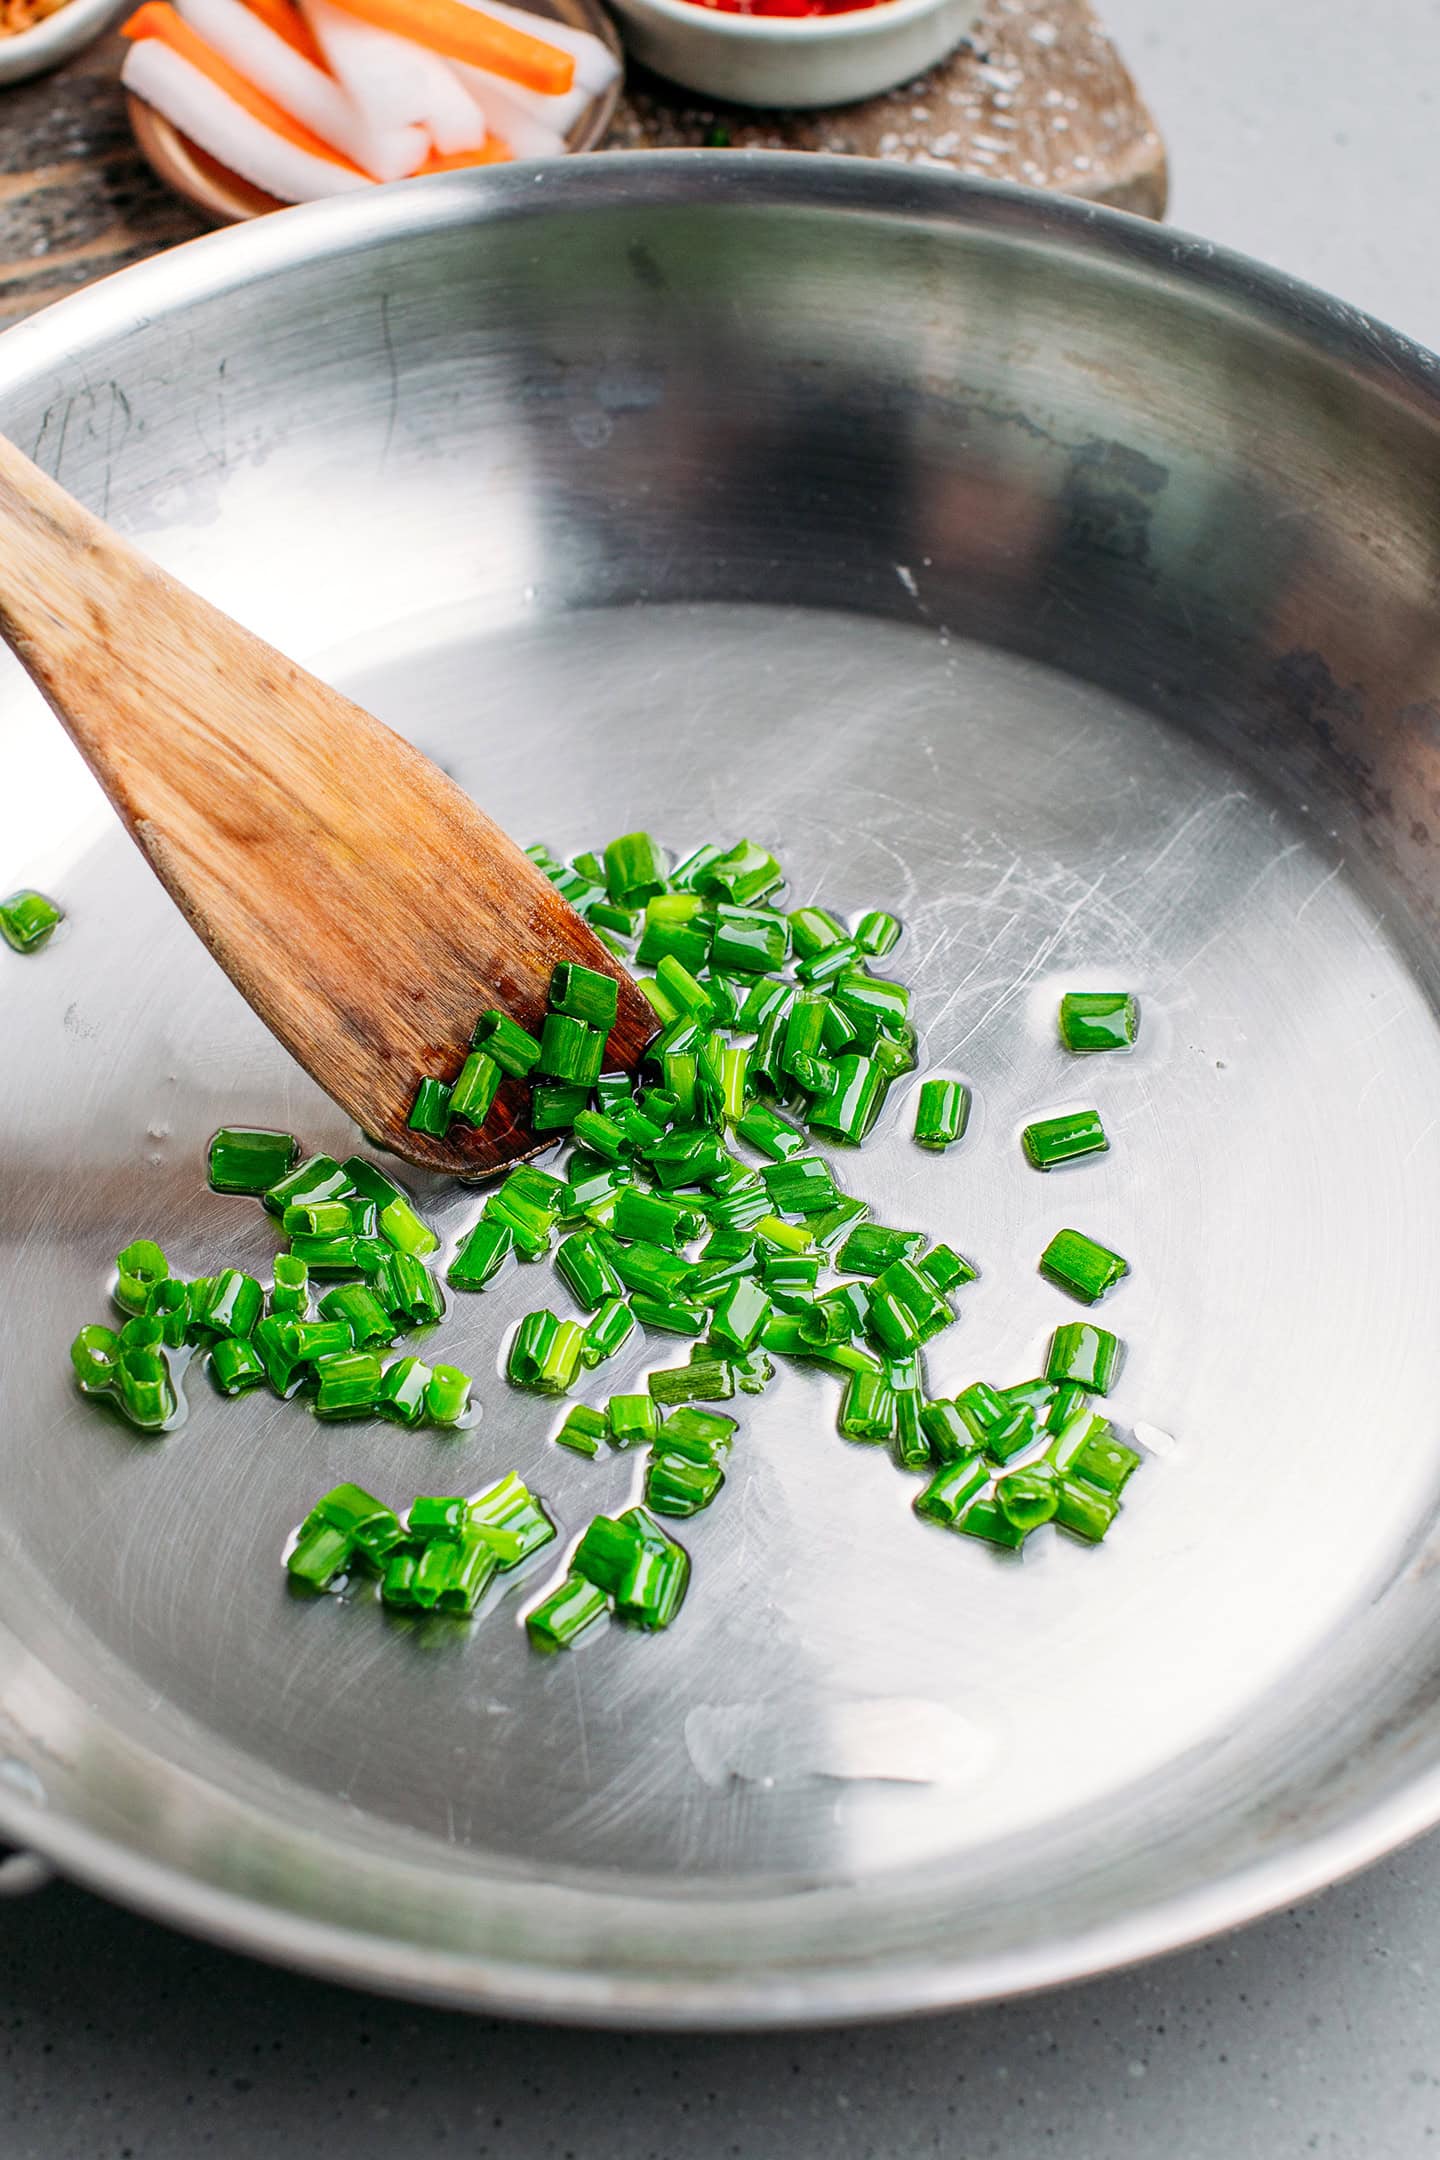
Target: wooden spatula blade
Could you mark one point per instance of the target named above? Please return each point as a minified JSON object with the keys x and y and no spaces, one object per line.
{"x":365,"y":907}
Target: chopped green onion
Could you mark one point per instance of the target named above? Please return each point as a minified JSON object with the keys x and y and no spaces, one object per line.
{"x":305,"y":1342}
{"x":401,"y":1227}
{"x":357,"y":1305}
{"x":1098,"y":1020}
{"x":1069,"y":1399}
{"x":473,"y":1095}
{"x":877,"y":933}
{"x":813,"y":929}
{"x":408,"y":1291}
{"x":319,"y":1555}
{"x":483,"y":1252}
{"x":782,"y":1236}
{"x":290,"y":1291}
{"x":327,"y":1255}
{"x":430,"y":1111}
{"x":985,"y":1519}
{"x":670,"y":1315}
{"x":871,"y":1248}
{"x":545,"y":1355}
{"x":447,"y":1395}
{"x":28,"y":920}
{"x":1028,"y":1498}
{"x":349,"y":1385}
{"x":653,"y":1588}
{"x":320,"y":1177}
{"x":951,"y":1490}
{"x":235,"y":1365}
{"x":143,"y":1385}
{"x":634,"y":869}
{"x":774,"y":1135}
{"x":1081,"y":1265}
{"x":570,"y":1050}
{"x":1085,"y":1354}
{"x":749,"y":941}
{"x":474,"y":1564}
{"x":873,"y":1007}
{"x":585,"y":994}
{"x":980,"y":1407}
{"x":675,"y":1486}
{"x":404,"y":1392}
{"x":1010,"y":1435}
{"x":945,"y":1268}
{"x":910,"y":1449}
{"x":555,"y":1108}
{"x":583,"y":1430}
{"x":585,"y":1268}
{"x":867,"y":1408}
{"x":244,"y":1159}
{"x":633,"y":1420}
{"x":650,"y":1220}
{"x":712,"y":1380}
{"x":740,"y":1316}
{"x":435,"y":1515}
{"x":621,"y":922}
{"x":283,"y":1371}
{"x":941,"y":1113}
{"x":648,"y":1270}
{"x":800,"y":1186}
{"x":562,"y":1617}
{"x":1083,"y":1511}
{"x":852,"y":1102}
{"x":828,"y":966}
{"x":745,"y":873}
{"x":318,"y":1218}
{"x":947,"y":1432}
{"x":506,"y":1043}
{"x":93,"y":1354}
{"x":608,"y":1332}
{"x":1063,"y":1139}
{"x":605,"y":1553}
{"x":169,"y":1303}
{"x":235,"y":1303}
{"x":1103,"y":1461}
{"x":825,"y":1230}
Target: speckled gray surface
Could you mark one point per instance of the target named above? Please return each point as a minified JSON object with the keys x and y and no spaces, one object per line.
{"x":1305,"y":134}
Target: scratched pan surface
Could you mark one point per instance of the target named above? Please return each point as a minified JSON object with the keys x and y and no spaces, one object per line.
{"x":1052,"y":581}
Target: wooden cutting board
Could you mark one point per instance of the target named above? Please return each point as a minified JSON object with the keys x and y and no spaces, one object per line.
{"x":1041,"y":97}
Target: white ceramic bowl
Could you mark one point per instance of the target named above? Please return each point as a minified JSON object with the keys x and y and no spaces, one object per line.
{"x":56,"y":38}
{"x":793,"y":60}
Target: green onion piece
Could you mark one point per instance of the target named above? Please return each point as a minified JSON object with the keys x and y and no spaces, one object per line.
{"x":745,"y":873}
{"x":950,"y":1491}
{"x":1063,"y":1139}
{"x":790,"y":1278}
{"x":320,"y":1177}
{"x":606,"y":1553}
{"x":505,"y":1043}
{"x":244,"y":1159}
{"x":827,"y":1229}
{"x":867,"y":1408}
{"x":749,"y":941}
{"x":142,"y":1333}
{"x":980,"y":1407}
{"x":1070,"y":1437}
{"x":1069,"y":1399}
{"x":848,"y":1109}
{"x":948,"y":1434}
{"x":545,"y":1354}
{"x":893,"y":1054}
{"x":611,"y":943}
{"x":430,"y":1111}
{"x":290,"y":1291}
{"x":690,"y":1155}
{"x":583,"y":1430}
{"x":813,"y":929}
{"x":371,"y":1182}
{"x":782,"y":1236}
{"x":318,"y":1218}
{"x":319,"y":1555}
{"x":634,"y":869}
{"x":1027,"y":1498}
{"x":633,"y":1420}
{"x":910,"y":1448}
{"x":561,"y":1618}
{"x":647,"y":1269}
{"x":919,"y":1303}
{"x":542,"y":858}
{"x":435,"y":1570}
{"x":1099,"y":1020}
{"x":653,"y":1221}
{"x":447,"y":1395}
{"x":585,"y":994}
{"x":804,"y":1032}
{"x":1085,"y":1354}
{"x":305,"y":1342}
{"x":839,"y":1315}
{"x":482,"y":1254}
{"x":872,"y":1006}
{"x":762,"y":1000}
{"x":357,"y":1305}
{"x":327,"y":1255}
{"x":555,"y":1108}
{"x":735,"y":1075}
{"x":591,"y":1179}
{"x":891,"y":1325}
{"x":93,"y":1354}
{"x":945,"y":1268}
{"x":473,"y":1095}
{"x":670,"y":1315}
{"x":612,"y":1095}
{"x":828,"y":966}
{"x":282,"y":1370}
{"x":349,"y":1385}
{"x":585,"y":1268}
{"x":139,"y":1266}
{"x":1103,"y":1461}
{"x":801,"y":1186}
{"x":570,"y":1050}
{"x":986,"y":1520}
{"x":871,"y":1248}
{"x":838,"y":1033}
{"x":608,"y":1332}
{"x":235,"y":1303}
{"x":686,"y":994}
{"x":397,"y":1584}
{"x":1010,"y":1435}
{"x":169,"y":1303}
{"x":437,"y":1515}
{"x":711,"y":1379}
{"x":28,"y":920}
{"x":471,"y":1569}
{"x":601,"y":1134}
{"x":942,"y":1113}
{"x":774,"y":1135}
{"x":1033,"y":1395}
{"x":404,"y":1392}
{"x":878,"y":933}
{"x":672,"y":935}
{"x":621,"y":922}
{"x":143,"y":1386}
{"x":683,"y":876}
{"x":708,"y":1430}
{"x":408,"y":1291}
{"x":677,"y":1487}
{"x":401,"y":1227}
{"x":1083,"y":1511}
{"x":1082,"y":1266}
{"x":653,"y":1589}
{"x":740,"y":1316}
{"x":236,"y":1365}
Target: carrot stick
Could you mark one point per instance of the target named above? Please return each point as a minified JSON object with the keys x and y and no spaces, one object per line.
{"x":493,"y":152}
{"x":157,"y":19}
{"x":285,"y":19}
{"x":461,"y":33}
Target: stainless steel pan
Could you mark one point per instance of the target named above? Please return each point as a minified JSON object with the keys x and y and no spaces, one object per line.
{"x":1050,"y":578}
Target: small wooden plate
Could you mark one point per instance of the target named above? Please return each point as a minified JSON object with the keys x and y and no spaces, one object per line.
{"x":226,"y":199}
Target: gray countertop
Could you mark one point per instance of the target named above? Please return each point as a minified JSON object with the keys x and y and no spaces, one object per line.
{"x":1306,"y":136}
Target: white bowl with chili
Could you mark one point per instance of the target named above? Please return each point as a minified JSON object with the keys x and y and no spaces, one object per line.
{"x":793,"y":52}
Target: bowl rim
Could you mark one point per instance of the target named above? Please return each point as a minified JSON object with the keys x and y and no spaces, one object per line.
{"x":868,"y":19}
{"x":59,"y":32}
{"x":1313,"y":1854}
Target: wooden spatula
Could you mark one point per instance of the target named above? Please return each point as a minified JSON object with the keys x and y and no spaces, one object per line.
{"x":364,"y":905}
